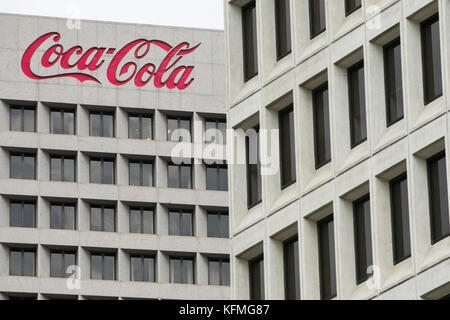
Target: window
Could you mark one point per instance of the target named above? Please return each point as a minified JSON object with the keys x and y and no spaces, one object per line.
{"x":141,"y":173}
{"x":287,"y":147}
{"x":218,"y":225}
{"x":181,"y":223}
{"x":22,"y":214}
{"x":431,"y":58}
{"x":179,"y":176}
{"x":22,"y":119}
{"x":317,"y":17}
{"x":101,"y":124}
{"x":103,"y":218}
{"x":179,"y":129}
{"x":139,"y":126}
{"x":291,"y":269}
{"x":142,"y":268}
{"x":401,"y":240}
{"x":62,"y":168}
{"x":217,"y":177}
{"x":60,"y":261}
{"x":254,"y":192}
{"x":22,"y":262}
{"x":357,"y":102}
{"x":363,"y":238}
{"x":327,"y":262}
{"x":142,"y":221}
{"x":182,"y":270}
{"x":215,"y":131}
{"x":351,"y":6}
{"x":62,"y":216}
{"x":102,"y":171}
{"x":62,"y":121}
{"x":256,"y":268}
{"x":219,"y":272}
{"x":438,"y":195}
{"x":23,"y":166}
{"x":283,"y":27}
{"x":103,"y":266}
{"x":321,"y":115}
{"x":393,"y":80}
{"x":250,"y":41}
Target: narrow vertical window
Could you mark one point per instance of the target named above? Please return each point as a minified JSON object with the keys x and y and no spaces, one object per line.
{"x":357,"y":103}
{"x":327,"y":259}
{"x":291,"y":269}
{"x":317,"y":17}
{"x":393,"y":81}
{"x":254,"y":181}
{"x":287,"y":147}
{"x":62,"y":121}
{"x":250,"y":41}
{"x":283,"y":27}
{"x":321,"y":115}
{"x":256,"y":268}
{"x":363,"y":238}
{"x":351,"y":6}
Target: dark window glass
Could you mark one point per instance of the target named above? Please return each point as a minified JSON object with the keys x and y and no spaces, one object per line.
{"x":140,"y":126}
{"x":431,"y":57}
{"x":62,"y":121}
{"x":287,"y":147}
{"x":327,"y":259}
{"x":22,"y":262}
{"x":291,"y":270}
{"x":179,"y":129}
{"x":321,"y":115}
{"x":141,"y":220}
{"x":101,"y":124}
{"x":102,"y":171}
{"x":141,"y":173}
{"x":103,"y":266}
{"x":22,"y":166}
{"x":394,"y":85}
{"x":218,"y":225}
{"x":22,"y":214}
{"x":60,"y":261}
{"x":438,"y":195}
{"x":256,"y":268}
{"x":142,"y":268}
{"x":283,"y":27}
{"x":252,"y":145}
{"x":62,"y":168}
{"x":103,"y":218}
{"x":357,"y":102}
{"x":351,"y":6}
{"x":181,"y":223}
{"x":219,"y":272}
{"x":317,"y":17}
{"x":62,"y":216}
{"x":179,"y":176}
{"x":22,"y":119}
{"x":250,"y":42}
{"x":363,"y":239}
{"x":215,"y":131}
{"x":217,"y":177}
{"x":182,"y":270}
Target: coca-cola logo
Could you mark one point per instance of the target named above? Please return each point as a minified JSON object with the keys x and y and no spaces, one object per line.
{"x":121,"y":69}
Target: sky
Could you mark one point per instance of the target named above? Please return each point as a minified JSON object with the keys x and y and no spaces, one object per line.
{"x":181,"y":13}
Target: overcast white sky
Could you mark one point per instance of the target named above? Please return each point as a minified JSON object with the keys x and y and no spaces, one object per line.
{"x":183,"y":13}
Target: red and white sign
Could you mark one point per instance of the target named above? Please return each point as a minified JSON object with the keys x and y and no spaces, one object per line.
{"x":122,"y":68}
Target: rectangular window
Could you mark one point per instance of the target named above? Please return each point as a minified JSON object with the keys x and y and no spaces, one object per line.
{"x":179,"y":129}
{"x":22,"y":119}
{"x":62,"y":216}
{"x":431,"y":58}
{"x":401,"y":240}
{"x":22,"y":166}
{"x":142,"y":221}
{"x":351,"y":6}
{"x":256,"y":268}
{"x":283,"y":27}
{"x":217,"y":177}
{"x":250,"y":40}
{"x":179,"y":176}
{"x":254,"y":183}
{"x":357,"y":103}
{"x":327,"y":259}
{"x":438,"y":197}
{"x":215,"y":131}
{"x":22,"y":214}
{"x":141,"y":173}
{"x":218,"y":225}
{"x":287,"y":147}
{"x":101,"y":124}
{"x":321,"y":115}
{"x":60,"y":261}
{"x":181,"y":223}
{"x":22,"y":262}
{"x":62,"y":121}
{"x":291,"y":269}
{"x":142,"y":268}
{"x":140,"y":126}
{"x":393,"y":80}
{"x":103,"y":218}
{"x":363,"y":239}
{"x":62,"y":168}
{"x":182,"y":270}
{"x":218,"y":272}
{"x":317,"y":17}
{"x":102,"y":171}
{"x":103,"y":266}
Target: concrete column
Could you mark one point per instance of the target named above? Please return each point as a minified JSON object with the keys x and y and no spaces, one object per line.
{"x":201,"y":222}
{"x":123,"y":266}
{"x":163,"y":268}
{"x":43,"y":262}
{"x":160,"y":126}
{"x":84,"y":262}
{"x":202,"y":274}
{"x":123,"y":218}
{"x":162,"y":221}
{"x":82,"y":121}
{"x":84,"y":215}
